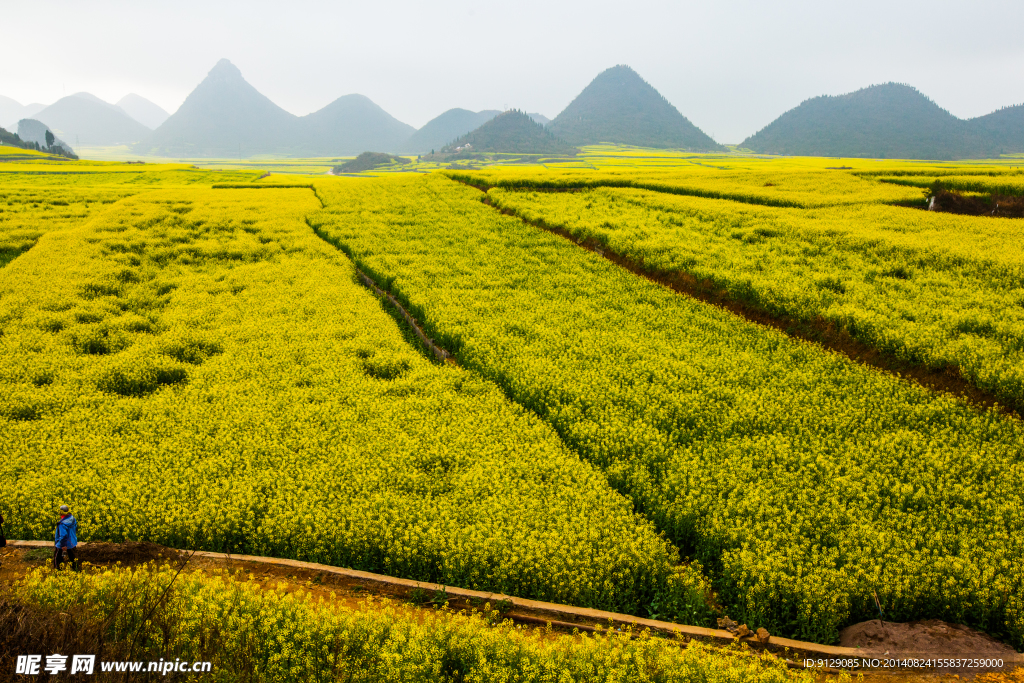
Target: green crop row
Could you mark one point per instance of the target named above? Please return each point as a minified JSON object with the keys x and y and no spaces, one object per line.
{"x":931,"y":289}
{"x":195,"y":367}
{"x":804,"y":482}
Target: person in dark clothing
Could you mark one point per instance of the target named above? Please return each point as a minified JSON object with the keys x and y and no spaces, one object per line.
{"x":65,"y":538}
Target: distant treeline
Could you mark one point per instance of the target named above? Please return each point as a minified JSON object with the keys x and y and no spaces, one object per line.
{"x":9,"y":139}
{"x":367,"y":161}
{"x":513,"y":132}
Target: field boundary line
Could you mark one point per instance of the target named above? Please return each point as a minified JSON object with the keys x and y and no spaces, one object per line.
{"x":264,"y":186}
{"x":818,"y":331}
{"x":481,"y":184}
{"x":549,"y":611}
{"x":439,"y":353}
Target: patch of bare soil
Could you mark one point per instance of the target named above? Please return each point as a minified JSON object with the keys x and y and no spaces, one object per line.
{"x":131,"y":552}
{"x":975,"y":205}
{"x":931,"y":637}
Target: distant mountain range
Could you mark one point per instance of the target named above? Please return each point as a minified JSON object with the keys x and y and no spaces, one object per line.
{"x":88,"y":120}
{"x":227,"y":117}
{"x":620,"y":107}
{"x":142,"y":110}
{"x":11,"y":112}
{"x":891,"y":121}
{"x":514,"y":132}
{"x":85,"y":119}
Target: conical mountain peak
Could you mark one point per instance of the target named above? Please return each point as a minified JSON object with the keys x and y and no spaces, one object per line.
{"x":225,"y":116}
{"x":225,"y":69}
{"x":620,"y":107}
{"x":445,"y":128}
{"x":622,"y":74}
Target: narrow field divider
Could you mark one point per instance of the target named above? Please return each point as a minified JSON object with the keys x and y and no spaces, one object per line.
{"x":262,"y":186}
{"x":570,"y":185}
{"x":438,"y":352}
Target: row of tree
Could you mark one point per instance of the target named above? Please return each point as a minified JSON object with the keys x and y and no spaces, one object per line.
{"x":10,"y":139}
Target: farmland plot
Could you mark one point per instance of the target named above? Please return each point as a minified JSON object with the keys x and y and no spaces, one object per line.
{"x":803,"y":481}
{"x":195,"y":367}
{"x":931,"y":289}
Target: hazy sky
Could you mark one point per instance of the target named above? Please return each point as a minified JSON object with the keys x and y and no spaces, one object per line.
{"x":730,"y":67}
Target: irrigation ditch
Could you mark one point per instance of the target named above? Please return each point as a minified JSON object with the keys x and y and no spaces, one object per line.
{"x":439,"y":353}
{"x":999,"y":206}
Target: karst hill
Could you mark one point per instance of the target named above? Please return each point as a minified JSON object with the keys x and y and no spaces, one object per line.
{"x":620,"y":107}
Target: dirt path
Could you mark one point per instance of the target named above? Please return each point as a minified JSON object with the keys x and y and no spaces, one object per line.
{"x":16,"y":562}
{"x":349,"y":589}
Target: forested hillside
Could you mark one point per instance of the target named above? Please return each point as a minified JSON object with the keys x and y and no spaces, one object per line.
{"x":514,"y":132}
{"x":620,"y":107}
{"x":889,"y":121}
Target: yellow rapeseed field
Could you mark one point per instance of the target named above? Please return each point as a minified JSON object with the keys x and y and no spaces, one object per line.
{"x":804,"y":482}
{"x":772,"y":187}
{"x":189,"y":357}
{"x":196,"y":368}
{"x":933,"y":289}
{"x":43,"y":196}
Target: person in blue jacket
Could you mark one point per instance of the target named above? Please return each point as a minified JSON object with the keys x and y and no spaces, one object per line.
{"x":65,"y":538}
